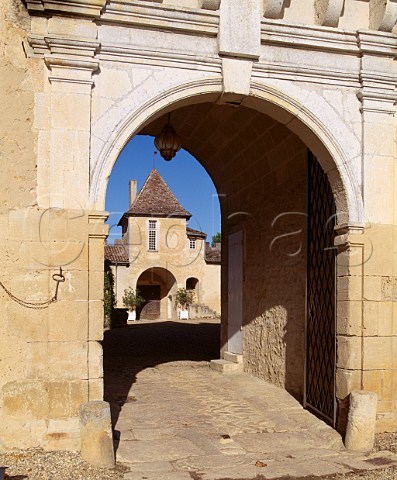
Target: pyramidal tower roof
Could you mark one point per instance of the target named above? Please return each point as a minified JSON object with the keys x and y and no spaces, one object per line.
{"x":155,"y":199}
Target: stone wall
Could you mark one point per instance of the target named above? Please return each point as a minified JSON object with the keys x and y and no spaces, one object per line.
{"x":275,"y":276}
{"x":247,"y":106}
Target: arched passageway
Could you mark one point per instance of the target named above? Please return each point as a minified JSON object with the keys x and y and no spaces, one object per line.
{"x":260,"y":169}
{"x":193,"y":284}
{"x":156,"y":285}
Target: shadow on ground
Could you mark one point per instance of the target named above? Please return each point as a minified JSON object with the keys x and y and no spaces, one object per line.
{"x":130,"y":349}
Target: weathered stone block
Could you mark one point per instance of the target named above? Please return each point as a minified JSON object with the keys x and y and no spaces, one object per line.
{"x":371,"y":318}
{"x":95,"y":360}
{"x":37,"y":362}
{"x":348,"y":353}
{"x":28,"y":324}
{"x":68,"y":321}
{"x":72,"y":26}
{"x":26,"y":399}
{"x":95,"y":389}
{"x":96,"y":255}
{"x":67,"y":360}
{"x":96,"y":315}
{"x":385,"y":319}
{"x":347,"y":381}
{"x":78,"y":395}
{"x":349,"y":318}
{"x":373,"y":288}
{"x":349,"y":288}
{"x":379,"y":381}
{"x":69,"y":254}
{"x":96,"y":434}
{"x":59,"y":399}
{"x":360,"y":432}
{"x":62,"y":434}
{"x":96,"y":285}
{"x":377,"y":353}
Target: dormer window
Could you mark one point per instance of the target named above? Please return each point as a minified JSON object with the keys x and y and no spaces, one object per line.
{"x":152,"y":236}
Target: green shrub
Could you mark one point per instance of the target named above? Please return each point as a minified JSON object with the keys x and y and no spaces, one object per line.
{"x":132,"y":299}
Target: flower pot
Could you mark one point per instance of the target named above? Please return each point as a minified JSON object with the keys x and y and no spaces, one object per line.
{"x":131,"y":316}
{"x":184,"y":314}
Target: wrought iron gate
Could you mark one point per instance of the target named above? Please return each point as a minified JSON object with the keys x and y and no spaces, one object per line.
{"x":321,"y":305}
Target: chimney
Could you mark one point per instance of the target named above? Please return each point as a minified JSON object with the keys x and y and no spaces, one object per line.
{"x":132,"y":191}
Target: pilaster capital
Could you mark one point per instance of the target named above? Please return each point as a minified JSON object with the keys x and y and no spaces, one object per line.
{"x":69,"y":59}
{"x":96,"y":225}
{"x":378,"y":72}
{"x":349,"y":235}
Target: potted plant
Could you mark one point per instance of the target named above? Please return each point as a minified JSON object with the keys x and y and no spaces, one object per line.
{"x":132,"y":300}
{"x":184,"y":298}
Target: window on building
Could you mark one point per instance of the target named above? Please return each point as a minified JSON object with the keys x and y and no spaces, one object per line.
{"x":192,"y":243}
{"x":152,"y":235}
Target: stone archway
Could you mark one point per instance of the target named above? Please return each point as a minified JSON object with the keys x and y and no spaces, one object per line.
{"x":258,"y":164}
{"x":156,"y":285}
{"x":84,"y":78}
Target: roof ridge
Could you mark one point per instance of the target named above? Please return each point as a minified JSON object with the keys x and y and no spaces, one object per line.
{"x":155,"y":198}
{"x":143,"y":186}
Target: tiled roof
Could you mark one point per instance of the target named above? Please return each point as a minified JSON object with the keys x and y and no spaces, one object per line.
{"x":155,"y":199}
{"x":116,"y":254}
{"x":190,"y":232}
{"x":213,"y":255}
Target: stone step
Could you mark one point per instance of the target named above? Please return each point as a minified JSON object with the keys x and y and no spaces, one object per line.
{"x":223,"y":366}
{"x":199,"y":310}
{"x":232,"y":357}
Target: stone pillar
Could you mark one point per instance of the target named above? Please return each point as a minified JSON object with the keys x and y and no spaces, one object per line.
{"x":378,"y":108}
{"x":360,"y":432}
{"x":96,"y":434}
{"x":349,"y":242}
{"x":96,"y":237}
{"x":63,"y":112}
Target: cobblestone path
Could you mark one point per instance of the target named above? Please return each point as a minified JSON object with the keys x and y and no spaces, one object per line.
{"x":176,"y":419}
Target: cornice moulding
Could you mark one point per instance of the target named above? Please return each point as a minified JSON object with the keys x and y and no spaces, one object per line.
{"x":53,"y":61}
{"x":162,"y":18}
{"x":306,"y":74}
{"x":87,"y":8}
{"x":314,"y":37}
{"x":126,"y":54}
{"x":71,"y":46}
{"x":377,"y":43}
{"x":63,"y":46}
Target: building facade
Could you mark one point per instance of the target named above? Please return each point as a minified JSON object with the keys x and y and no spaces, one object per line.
{"x":257,"y":90}
{"x":159,"y":253}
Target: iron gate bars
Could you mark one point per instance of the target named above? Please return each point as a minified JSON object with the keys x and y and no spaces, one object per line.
{"x":321,"y":297}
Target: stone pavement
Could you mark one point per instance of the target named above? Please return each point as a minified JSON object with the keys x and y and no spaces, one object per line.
{"x":179,"y":420}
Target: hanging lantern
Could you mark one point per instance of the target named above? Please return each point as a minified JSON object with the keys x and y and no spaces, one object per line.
{"x":168,"y":141}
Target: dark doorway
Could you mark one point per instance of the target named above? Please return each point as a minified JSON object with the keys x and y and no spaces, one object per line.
{"x":320,"y":314}
{"x":150,"y":310}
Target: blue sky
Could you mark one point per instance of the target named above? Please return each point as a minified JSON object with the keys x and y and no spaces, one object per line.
{"x":185,"y":176}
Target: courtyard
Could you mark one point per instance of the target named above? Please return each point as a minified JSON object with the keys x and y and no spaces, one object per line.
{"x":175,"y":418}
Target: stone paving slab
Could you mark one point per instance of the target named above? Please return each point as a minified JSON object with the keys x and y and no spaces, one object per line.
{"x":180,"y":420}
{"x":156,"y":450}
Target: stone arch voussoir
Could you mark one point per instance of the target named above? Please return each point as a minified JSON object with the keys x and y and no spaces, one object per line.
{"x":310,"y":117}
